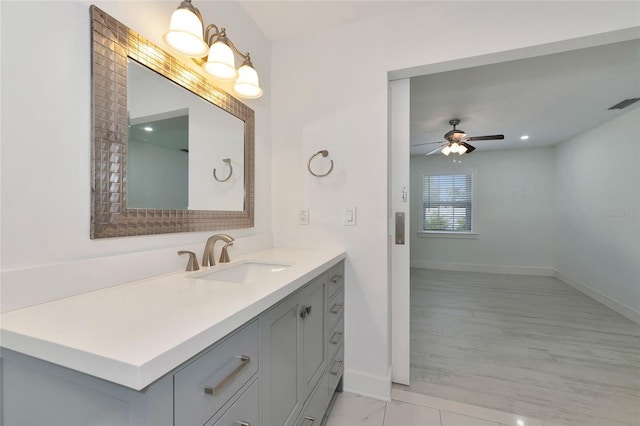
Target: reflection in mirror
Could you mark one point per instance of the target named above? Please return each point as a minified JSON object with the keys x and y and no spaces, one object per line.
{"x":158,"y":166}
{"x":127,"y":163}
{"x":175,"y":141}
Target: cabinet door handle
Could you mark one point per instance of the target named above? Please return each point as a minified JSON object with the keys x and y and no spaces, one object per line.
{"x":242,"y":423}
{"x":304,"y":311}
{"x":312,"y":419}
{"x":336,"y":308}
{"x":335,"y":342}
{"x":336,"y":362}
{"x":244,"y":361}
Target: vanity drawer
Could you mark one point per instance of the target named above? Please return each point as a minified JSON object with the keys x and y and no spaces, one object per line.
{"x":335,"y":277}
{"x":317,"y":404}
{"x":335,"y":308}
{"x":336,"y":338}
{"x":204,"y":386}
{"x":245,"y":411}
{"x":336,"y":368}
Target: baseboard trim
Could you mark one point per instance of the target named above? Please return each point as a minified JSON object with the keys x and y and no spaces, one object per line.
{"x":492,"y":269}
{"x":620,"y":308}
{"x":376,"y":387}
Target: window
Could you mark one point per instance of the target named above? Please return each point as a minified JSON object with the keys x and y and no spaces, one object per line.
{"x":447,"y":203}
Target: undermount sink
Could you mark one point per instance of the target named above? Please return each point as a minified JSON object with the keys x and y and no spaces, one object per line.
{"x":242,"y":273}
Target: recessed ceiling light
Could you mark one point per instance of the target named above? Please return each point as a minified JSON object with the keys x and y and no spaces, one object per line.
{"x":520,"y":422}
{"x":148,"y":129}
{"x":524,"y":137}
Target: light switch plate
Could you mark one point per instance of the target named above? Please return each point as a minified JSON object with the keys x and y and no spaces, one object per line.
{"x":350,"y":216}
{"x":303,"y":216}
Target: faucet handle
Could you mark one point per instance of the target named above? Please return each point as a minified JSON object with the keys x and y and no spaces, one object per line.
{"x":224,"y":254}
{"x":192,"y":265}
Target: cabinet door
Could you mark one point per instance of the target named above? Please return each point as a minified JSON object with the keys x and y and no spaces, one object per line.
{"x":314,"y":353}
{"x":280,"y":335}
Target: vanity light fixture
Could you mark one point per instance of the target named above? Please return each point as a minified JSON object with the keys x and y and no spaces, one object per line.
{"x":212,"y":49}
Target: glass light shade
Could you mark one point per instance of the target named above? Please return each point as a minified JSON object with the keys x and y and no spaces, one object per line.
{"x":185,"y":34}
{"x":446,"y":150}
{"x":459,"y":134}
{"x":462,"y":149}
{"x":455,"y":147}
{"x":221,"y":63}
{"x":247,"y":84}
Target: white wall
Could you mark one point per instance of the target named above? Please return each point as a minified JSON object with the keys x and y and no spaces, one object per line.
{"x":598,"y":210}
{"x":330,"y":92}
{"x":515,"y":193}
{"x":46,"y":143}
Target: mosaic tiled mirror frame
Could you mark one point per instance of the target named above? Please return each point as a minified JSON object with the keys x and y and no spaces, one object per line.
{"x":112,"y":42}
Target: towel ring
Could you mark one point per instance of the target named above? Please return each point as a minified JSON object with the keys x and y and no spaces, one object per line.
{"x":324,"y":153}
{"x":228,"y":161}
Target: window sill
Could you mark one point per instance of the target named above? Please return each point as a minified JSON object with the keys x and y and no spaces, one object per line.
{"x":444,"y":234}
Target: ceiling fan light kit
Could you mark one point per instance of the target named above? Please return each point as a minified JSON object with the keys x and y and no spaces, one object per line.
{"x":456,"y":141}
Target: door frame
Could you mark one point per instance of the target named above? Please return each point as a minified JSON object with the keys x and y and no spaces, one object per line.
{"x":398,"y":280}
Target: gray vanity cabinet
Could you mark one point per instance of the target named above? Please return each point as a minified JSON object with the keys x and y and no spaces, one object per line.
{"x":314,"y":347}
{"x":204,"y":385}
{"x":292,"y":351}
{"x":280,"y":368}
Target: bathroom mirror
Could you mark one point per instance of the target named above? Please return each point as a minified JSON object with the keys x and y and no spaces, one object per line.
{"x":210,"y":183}
{"x":175,"y":140}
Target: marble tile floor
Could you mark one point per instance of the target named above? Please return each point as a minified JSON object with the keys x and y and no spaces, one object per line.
{"x":409,"y":409}
{"x":526,"y":344}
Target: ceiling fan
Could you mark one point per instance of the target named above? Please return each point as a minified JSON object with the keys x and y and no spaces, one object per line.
{"x":456,"y":141}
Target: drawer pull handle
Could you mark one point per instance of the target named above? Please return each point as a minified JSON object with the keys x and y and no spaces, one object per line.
{"x":244,"y":361}
{"x":304,"y":311}
{"x":335,"y":342}
{"x":336,"y":308}
{"x":312,"y":419}
{"x":336,"y":362}
{"x":336,"y":278}
{"x":242,"y":423}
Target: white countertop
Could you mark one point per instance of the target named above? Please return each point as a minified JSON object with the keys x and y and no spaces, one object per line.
{"x":133,"y":334}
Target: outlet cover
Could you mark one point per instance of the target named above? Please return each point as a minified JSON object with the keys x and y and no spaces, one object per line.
{"x":303,"y":216}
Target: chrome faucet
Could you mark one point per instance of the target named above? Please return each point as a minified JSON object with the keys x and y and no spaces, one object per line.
{"x":208,"y":256}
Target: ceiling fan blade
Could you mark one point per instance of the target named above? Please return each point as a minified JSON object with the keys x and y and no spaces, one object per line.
{"x":438,"y":149}
{"x":485,"y":138}
{"x":426,"y":143}
{"x":470,"y":148}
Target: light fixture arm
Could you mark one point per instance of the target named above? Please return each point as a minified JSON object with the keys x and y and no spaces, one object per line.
{"x":212,"y":33}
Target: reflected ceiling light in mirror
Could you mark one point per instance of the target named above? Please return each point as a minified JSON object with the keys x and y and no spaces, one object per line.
{"x":187,"y":37}
{"x":524,"y":137}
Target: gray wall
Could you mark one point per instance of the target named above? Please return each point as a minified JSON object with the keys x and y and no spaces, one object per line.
{"x":598,"y":209}
{"x":514,"y":210}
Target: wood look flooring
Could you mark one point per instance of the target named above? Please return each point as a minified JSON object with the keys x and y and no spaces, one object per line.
{"x":528,"y":345}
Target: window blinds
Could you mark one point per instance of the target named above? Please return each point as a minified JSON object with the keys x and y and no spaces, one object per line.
{"x":447,"y":203}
